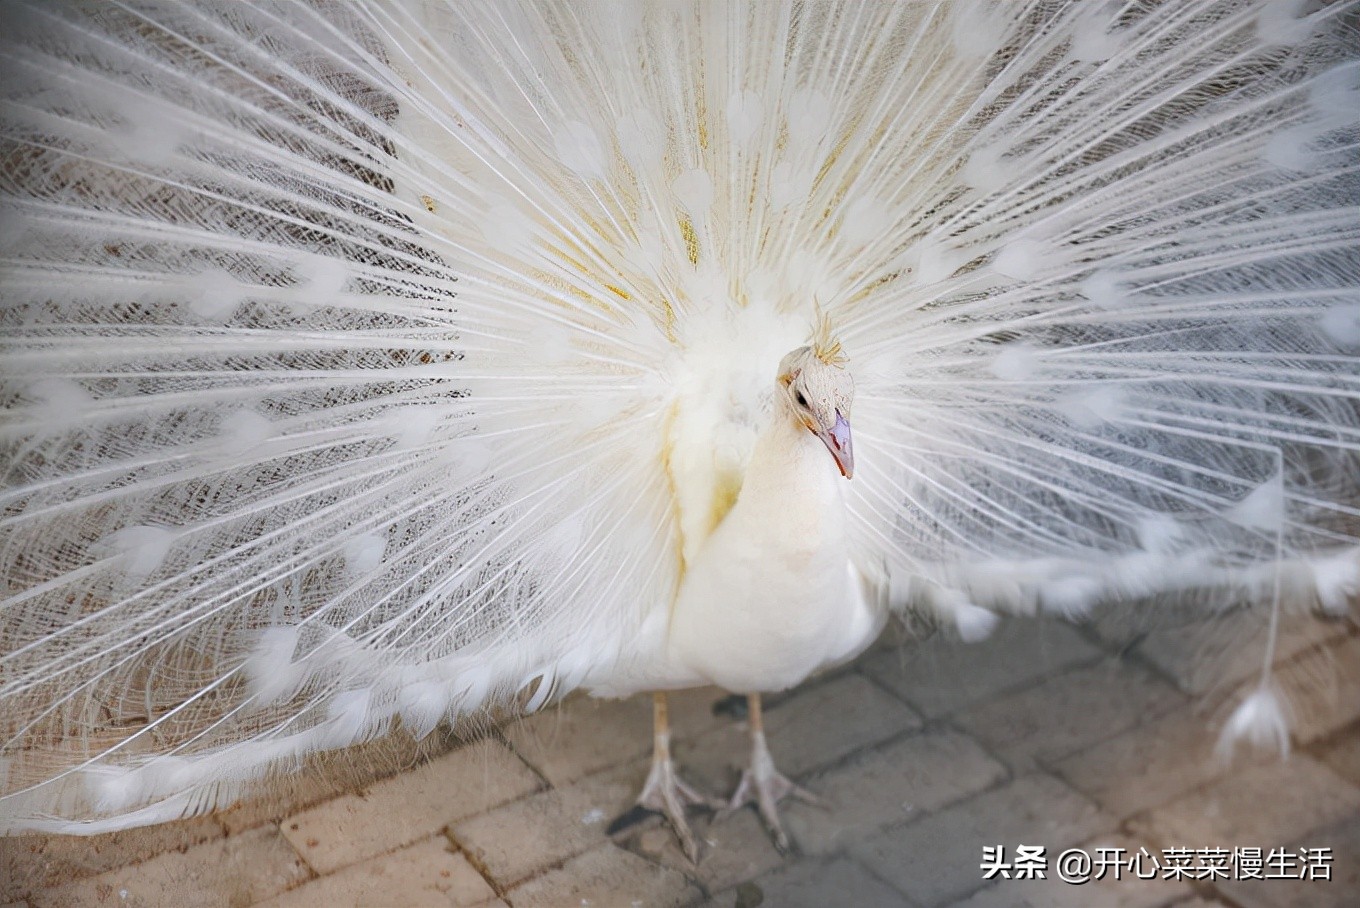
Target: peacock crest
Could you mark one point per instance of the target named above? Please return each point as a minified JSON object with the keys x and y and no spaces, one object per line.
{"x":825,"y":345}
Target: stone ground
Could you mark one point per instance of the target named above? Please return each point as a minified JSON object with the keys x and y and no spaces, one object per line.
{"x":1098,"y":736}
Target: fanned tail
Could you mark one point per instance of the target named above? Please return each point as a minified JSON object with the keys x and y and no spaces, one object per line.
{"x":344,"y":343}
{"x":294,"y":455}
{"x":1118,"y":360}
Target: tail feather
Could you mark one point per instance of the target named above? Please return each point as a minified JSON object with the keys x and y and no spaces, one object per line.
{"x":343,"y":344}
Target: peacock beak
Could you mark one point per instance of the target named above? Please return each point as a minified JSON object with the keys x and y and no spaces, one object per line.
{"x":837,"y":441}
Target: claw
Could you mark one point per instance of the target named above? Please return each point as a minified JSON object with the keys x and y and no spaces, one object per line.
{"x":763,"y":785}
{"x":668,"y":794}
{"x":665,"y":792}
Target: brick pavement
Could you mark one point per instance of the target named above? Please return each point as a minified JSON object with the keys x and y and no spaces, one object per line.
{"x":1098,"y":736}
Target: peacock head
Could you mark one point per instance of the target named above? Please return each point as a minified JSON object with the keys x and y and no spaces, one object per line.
{"x":818,"y":391}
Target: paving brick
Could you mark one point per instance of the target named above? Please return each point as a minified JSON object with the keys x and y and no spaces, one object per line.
{"x":525,"y":837}
{"x":899,"y":781}
{"x":32,"y":862}
{"x":1122,"y":890}
{"x":898,"y":632}
{"x":819,"y":884}
{"x":1148,"y":765}
{"x":332,"y":773}
{"x":586,"y":735}
{"x":1222,"y":651}
{"x":807,"y":731}
{"x":223,"y":873}
{"x":936,"y":861}
{"x":892,"y":789}
{"x":940,"y":675}
{"x":1123,"y":626}
{"x":733,"y":850}
{"x":1066,"y":713}
{"x":1340,"y":891}
{"x":1268,"y":805}
{"x":1342,"y":756}
{"x":606,"y":876}
{"x":1323,"y":686}
{"x":428,"y":873}
{"x":411,"y":806}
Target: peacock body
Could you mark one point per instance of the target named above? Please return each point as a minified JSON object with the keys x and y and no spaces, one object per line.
{"x":373,"y":365}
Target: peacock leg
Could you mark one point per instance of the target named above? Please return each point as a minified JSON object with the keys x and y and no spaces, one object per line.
{"x":764,"y":785}
{"x":664,"y":791}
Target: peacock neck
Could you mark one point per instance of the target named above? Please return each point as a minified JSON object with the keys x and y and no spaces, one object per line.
{"x":791,"y":468}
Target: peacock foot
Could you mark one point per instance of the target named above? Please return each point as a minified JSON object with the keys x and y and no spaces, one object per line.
{"x":667,"y":794}
{"x":765,"y":786}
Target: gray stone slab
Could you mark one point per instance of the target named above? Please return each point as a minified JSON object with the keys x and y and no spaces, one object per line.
{"x":807,"y":731}
{"x":1150,"y":764}
{"x":428,"y":874}
{"x":941,"y":675}
{"x":821,"y":884}
{"x":1108,"y":888}
{"x":1221,"y":652}
{"x":1323,"y":687}
{"x":32,"y":862}
{"x":1342,"y":756}
{"x":411,"y":806}
{"x":732,"y":850}
{"x":1068,"y":712}
{"x":1268,"y":805}
{"x":223,"y":873}
{"x":1341,"y":891}
{"x":525,"y":837}
{"x":938,"y":860}
{"x":900,"y":781}
{"x":585,"y":735}
{"x":605,"y":876}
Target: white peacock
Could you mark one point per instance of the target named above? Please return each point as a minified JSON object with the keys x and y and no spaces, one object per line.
{"x":368,"y":366}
